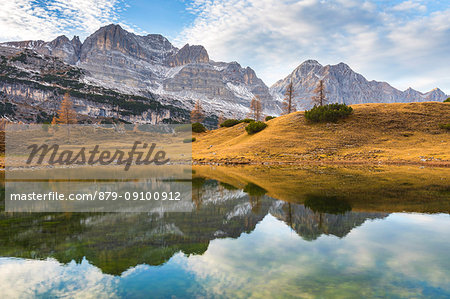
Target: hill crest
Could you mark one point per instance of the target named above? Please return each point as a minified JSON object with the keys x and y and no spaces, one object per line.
{"x":375,"y":133}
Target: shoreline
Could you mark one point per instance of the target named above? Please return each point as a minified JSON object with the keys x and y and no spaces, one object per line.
{"x":444,"y":164}
{"x":201,"y":162}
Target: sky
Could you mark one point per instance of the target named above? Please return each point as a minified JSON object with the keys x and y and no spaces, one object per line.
{"x":405,"y":43}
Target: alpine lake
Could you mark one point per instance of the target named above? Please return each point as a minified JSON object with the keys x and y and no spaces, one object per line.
{"x":250,"y":232}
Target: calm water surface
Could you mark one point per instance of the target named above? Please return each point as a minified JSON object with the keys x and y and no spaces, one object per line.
{"x":332,"y":233}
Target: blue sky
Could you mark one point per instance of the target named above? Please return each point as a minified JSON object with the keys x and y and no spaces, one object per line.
{"x":167,"y":17}
{"x":404,"y":42}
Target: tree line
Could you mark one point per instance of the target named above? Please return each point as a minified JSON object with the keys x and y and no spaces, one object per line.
{"x":256,"y":106}
{"x":66,"y":114}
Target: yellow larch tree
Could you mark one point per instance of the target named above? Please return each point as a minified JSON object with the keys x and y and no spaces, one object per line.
{"x":66,"y":114}
{"x":197,"y":114}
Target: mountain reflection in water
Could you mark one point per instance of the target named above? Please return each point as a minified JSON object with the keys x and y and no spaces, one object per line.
{"x":236,"y":228}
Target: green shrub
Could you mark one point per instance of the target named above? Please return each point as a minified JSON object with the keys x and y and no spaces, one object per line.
{"x":269,"y":118}
{"x":198,"y":128}
{"x":195,"y":127}
{"x":228,"y":186}
{"x":447,"y":100}
{"x":445,"y":126}
{"x":189,"y":140}
{"x":247,"y":120}
{"x":198,"y":183}
{"x":229,"y":123}
{"x":328,"y":113}
{"x":255,"y":127}
{"x":327,"y":204}
{"x":254,"y":190}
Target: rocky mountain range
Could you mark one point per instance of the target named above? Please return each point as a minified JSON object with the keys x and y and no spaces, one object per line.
{"x":118,"y":74}
{"x":343,"y":85}
{"x":147,"y":65}
{"x":32,"y":86}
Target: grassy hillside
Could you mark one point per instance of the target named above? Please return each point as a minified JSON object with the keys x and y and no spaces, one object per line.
{"x":375,"y":133}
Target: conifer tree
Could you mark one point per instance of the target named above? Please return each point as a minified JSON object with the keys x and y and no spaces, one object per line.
{"x":197,"y":114}
{"x":53,"y":125}
{"x":255,"y":109}
{"x":288,"y":103}
{"x":319,"y":99}
{"x":66,"y":113}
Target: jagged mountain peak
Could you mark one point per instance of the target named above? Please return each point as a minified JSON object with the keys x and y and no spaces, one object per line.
{"x":306,"y":67}
{"x":310,"y":62}
{"x":436,"y":95}
{"x":114,"y":39}
{"x":157,"y":38}
{"x":342,"y":66}
{"x":116,"y":59}
{"x":60,"y":39}
{"x":410,"y":90}
{"x":234,"y":65}
{"x":109,"y":37}
{"x":346,"y":86}
{"x":111,"y":27}
{"x":189,"y":54}
{"x":76,"y":44}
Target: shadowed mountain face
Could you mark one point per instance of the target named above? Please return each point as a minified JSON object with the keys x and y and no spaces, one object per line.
{"x":343,"y":85}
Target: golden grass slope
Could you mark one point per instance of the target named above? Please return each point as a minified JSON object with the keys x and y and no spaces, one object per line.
{"x":375,"y":133}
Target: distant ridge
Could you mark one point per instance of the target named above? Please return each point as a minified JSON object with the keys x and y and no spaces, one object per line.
{"x":343,"y":85}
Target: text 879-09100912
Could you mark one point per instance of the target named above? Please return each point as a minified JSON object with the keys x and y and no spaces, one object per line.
{"x":98,"y":195}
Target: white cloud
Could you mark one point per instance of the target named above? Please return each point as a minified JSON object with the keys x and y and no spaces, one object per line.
{"x":26,"y":19}
{"x":405,"y":43}
{"x":409,"y":5}
{"x":275,"y":36}
{"x":387,"y":254}
{"x":375,"y":252}
{"x":21,"y":278}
